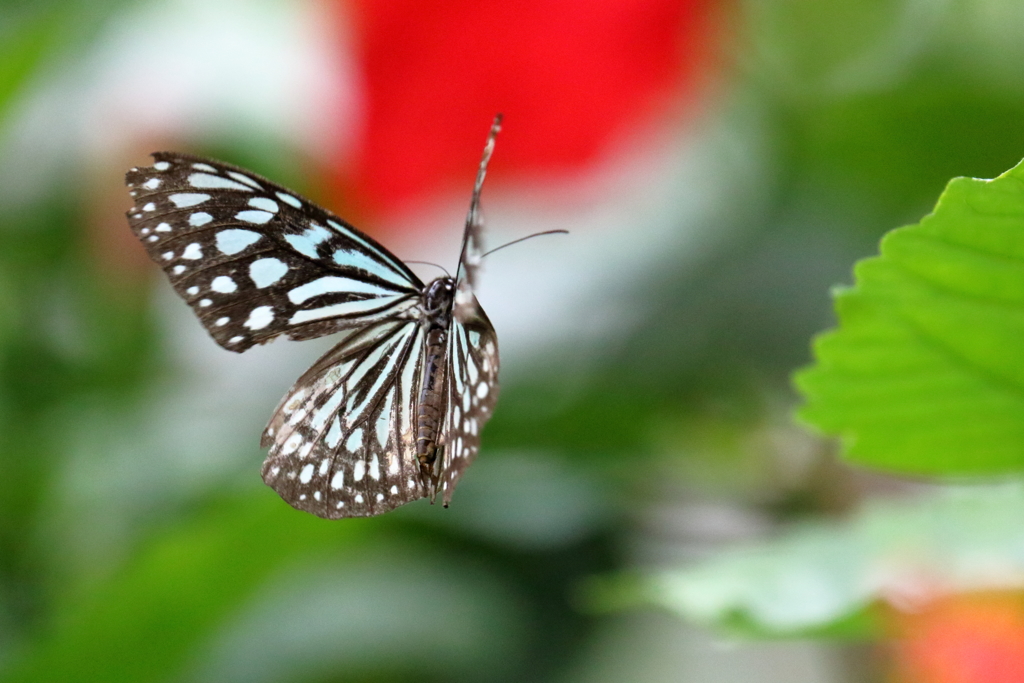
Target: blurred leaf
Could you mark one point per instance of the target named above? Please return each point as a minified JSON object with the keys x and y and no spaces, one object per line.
{"x":145,"y":622}
{"x":924,"y":373}
{"x":814,"y":48}
{"x":822,"y":578}
{"x":362,"y":617}
{"x":899,"y":147}
{"x":36,"y":32}
{"x":23,"y":48}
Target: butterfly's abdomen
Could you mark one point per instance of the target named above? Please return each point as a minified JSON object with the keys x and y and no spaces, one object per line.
{"x":430,"y":411}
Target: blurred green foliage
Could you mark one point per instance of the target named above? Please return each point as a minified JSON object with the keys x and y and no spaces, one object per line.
{"x":826,"y":578}
{"x":35,"y":35}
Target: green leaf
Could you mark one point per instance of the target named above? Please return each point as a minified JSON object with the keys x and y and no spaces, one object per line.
{"x":248,"y":589}
{"x":925,"y":372}
{"x":147,"y":621}
{"x":33,"y":36}
{"x":823,"y":578}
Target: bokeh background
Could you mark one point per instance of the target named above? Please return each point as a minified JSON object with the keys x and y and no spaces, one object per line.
{"x":720,"y":165}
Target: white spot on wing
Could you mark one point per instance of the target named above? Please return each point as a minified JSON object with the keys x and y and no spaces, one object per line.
{"x":199,"y":218}
{"x":338,"y":480}
{"x":355,"y":442}
{"x":288,"y":199}
{"x":266,"y":271}
{"x":264,"y":204}
{"x":359,"y":471}
{"x":152,"y":183}
{"x":244,"y":179}
{"x":260,"y":317}
{"x":375,"y":468}
{"x":254,"y":217}
{"x":178,"y":270}
{"x":163,"y":227}
{"x":234,"y":240}
{"x":186,"y":199}
{"x":334,"y":433}
{"x":292,"y":444}
{"x":204,"y":167}
{"x":193,"y":290}
{"x":307,"y":474}
{"x":223,"y":284}
{"x":206,"y":181}
{"x":149,"y":207}
{"x":192,"y":252}
{"x":161,"y":165}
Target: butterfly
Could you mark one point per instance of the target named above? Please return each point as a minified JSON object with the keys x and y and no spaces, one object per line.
{"x":391,"y":414}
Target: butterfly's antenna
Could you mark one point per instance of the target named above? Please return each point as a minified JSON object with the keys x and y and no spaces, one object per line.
{"x":523,"y":239}
{"x":431,"y":263}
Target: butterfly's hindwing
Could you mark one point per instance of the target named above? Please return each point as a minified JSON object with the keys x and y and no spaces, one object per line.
{"x":341,"y":442}
{"x":472,"y":393}
{"x":255,"y":261}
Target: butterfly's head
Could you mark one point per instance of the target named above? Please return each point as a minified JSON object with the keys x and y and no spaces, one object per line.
{"x":438,"y":297}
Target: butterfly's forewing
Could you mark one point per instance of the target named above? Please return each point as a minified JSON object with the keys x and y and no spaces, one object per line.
{"x":341,"y":442}
{"x":254,"y":260}
{"x":472,"y":393}
{"x":472,"y":237}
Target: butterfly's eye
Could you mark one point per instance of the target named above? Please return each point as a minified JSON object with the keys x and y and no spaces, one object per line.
{"x":438,"y":296}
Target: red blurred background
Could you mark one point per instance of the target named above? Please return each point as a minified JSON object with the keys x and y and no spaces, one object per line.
{"x":571,"y":77}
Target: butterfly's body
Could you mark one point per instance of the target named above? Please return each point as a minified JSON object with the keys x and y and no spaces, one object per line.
{"x":393,"y":412}
{"x":430,"y":411}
